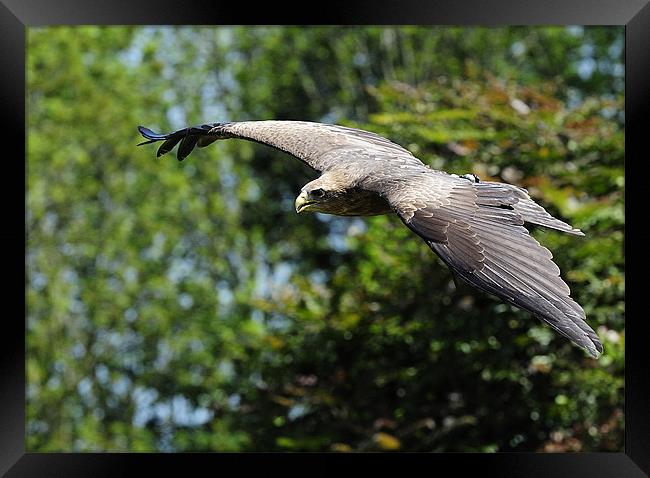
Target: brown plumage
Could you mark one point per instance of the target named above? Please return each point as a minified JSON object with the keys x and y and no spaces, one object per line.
{"x":475,"y":227}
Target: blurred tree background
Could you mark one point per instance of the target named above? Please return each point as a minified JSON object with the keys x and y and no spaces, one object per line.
{"x":186,"y":307}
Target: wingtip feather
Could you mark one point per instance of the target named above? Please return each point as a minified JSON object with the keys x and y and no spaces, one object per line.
{"x":188,"y":138}
{"x":149,"y":134}
{"x":595,"y":351}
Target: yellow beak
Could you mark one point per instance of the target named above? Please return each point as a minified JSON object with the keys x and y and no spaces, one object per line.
{"x":301,"y":201}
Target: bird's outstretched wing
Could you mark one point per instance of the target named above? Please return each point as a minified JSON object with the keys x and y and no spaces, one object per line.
{"x":320,"y":146}
{"x":477,"y":230}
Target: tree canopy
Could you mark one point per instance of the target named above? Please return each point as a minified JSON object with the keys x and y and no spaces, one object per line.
{"x":186,"y":307}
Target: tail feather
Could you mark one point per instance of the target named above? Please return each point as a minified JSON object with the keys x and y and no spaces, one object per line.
{"x":518,"y":199}
{"x":536,"y":214}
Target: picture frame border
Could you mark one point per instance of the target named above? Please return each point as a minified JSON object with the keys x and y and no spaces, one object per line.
{"x":18,"y":15}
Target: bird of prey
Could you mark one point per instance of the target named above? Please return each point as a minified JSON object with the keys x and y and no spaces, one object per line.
{"x":476,"y":227}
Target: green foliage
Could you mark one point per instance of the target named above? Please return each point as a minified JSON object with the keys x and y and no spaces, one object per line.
{"x":184,"y":307}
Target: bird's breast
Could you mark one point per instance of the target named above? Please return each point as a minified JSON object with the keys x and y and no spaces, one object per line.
{"x":358,"y":202}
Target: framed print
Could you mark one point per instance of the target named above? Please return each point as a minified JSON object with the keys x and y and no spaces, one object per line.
{"x":439,"y":279}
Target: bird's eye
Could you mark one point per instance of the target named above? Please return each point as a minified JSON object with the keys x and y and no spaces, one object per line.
{"x":318,"y":193}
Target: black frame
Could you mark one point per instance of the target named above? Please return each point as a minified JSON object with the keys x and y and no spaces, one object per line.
{"x":16,"y":15}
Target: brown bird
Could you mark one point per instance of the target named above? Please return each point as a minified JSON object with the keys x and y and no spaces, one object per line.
{"x":475,"y":227}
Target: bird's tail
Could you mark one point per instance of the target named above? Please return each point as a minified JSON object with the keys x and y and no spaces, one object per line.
{"x":493,"y":193}
{"x":190,"y":137}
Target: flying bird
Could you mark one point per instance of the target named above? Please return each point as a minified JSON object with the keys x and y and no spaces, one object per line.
{"x":476,"y":227}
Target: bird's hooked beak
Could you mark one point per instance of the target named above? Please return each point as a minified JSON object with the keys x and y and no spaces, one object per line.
{"x":302,"y":201}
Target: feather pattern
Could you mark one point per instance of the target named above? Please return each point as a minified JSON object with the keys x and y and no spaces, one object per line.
{"x":491,"y":250}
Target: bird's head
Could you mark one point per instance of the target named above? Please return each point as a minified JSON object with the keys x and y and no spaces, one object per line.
{"x":321,"y":195}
